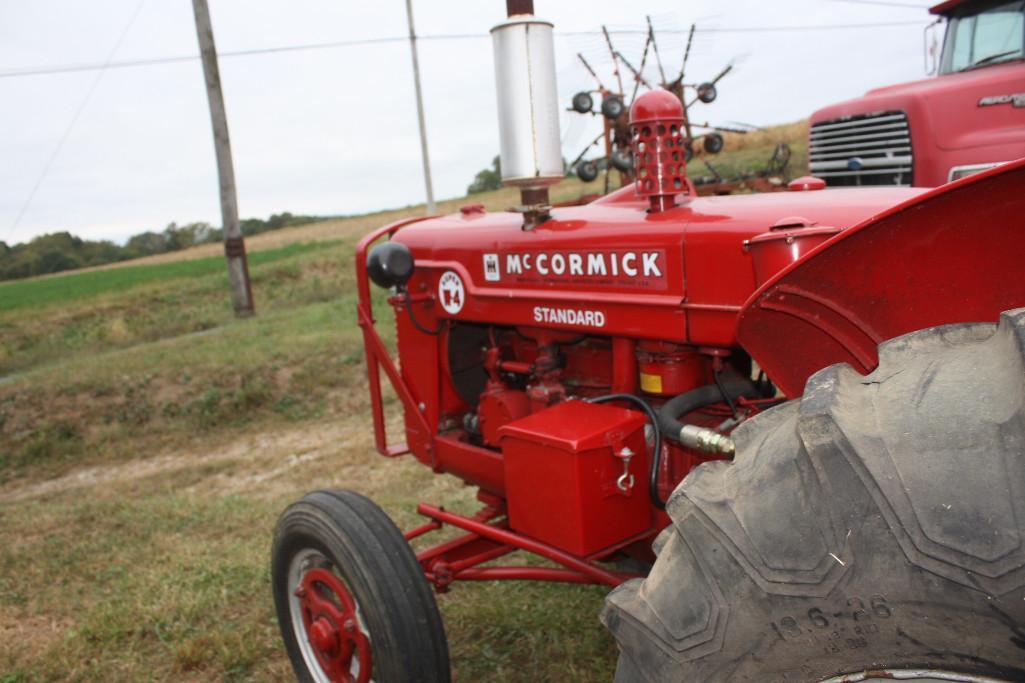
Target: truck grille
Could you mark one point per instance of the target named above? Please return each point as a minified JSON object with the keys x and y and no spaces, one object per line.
{"x":871,"y":149}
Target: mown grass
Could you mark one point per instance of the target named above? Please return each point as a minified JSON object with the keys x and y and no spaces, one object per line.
{"x":280,"y":365}
{"x":152,"y":580}
{"x":72,"y":287}
{"x":149,"y":310}
{"x":148,"y":441}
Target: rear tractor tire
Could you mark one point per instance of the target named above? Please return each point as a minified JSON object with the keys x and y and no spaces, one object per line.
{"x":352,"y":602}
{"x":873,"y":529}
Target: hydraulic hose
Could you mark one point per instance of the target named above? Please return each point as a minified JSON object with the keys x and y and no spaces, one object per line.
{"x":666,"y":421}
{"x":732,"y":388}
{"x":728,"y":389}
{"x":657,"y":457}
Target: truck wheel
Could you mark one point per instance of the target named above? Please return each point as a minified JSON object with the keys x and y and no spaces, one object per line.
{"x":873,"y":529}
{"x":352,"y":602}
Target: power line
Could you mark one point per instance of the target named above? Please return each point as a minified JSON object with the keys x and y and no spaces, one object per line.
{"x":73,"y":68}
{"x":74,"y":119}
{"x":884,"y":3}
{"x":756,"y":29}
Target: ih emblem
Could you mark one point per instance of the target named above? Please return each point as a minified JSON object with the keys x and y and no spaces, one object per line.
{"x":451,"y":293}
{"x":491,"y":273}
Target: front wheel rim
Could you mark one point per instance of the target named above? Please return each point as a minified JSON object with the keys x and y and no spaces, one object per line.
{"x":327,"y":622}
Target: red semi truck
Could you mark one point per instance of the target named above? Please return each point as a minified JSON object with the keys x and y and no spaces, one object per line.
{"x":967,"y":118}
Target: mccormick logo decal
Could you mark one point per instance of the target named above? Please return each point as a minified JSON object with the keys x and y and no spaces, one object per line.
{"x":630,"y":268}
{"x":451,"y":292}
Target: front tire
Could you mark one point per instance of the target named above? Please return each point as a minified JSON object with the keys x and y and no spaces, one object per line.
{"x":351,"y":600}
{"x":876,"y":524}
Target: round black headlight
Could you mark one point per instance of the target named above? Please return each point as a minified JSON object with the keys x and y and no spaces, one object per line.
{"x":390,"y":264}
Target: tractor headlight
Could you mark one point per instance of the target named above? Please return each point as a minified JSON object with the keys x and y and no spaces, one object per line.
{"x":390,"y":264}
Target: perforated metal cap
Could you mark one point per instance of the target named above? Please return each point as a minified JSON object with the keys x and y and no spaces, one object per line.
{"x":656,"y":128}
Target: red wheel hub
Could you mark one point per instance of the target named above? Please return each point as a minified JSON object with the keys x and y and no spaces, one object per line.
{"x":324,"y":636}
{"x":332,"y":627}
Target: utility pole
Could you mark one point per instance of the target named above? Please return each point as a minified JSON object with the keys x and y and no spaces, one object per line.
{"x":431,"y":208}
{"x":234,"y":245}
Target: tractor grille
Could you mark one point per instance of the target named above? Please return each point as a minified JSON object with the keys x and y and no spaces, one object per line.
{"x":872,"y":149}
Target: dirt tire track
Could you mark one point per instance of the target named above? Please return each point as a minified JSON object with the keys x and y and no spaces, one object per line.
{"x":298,"y":444}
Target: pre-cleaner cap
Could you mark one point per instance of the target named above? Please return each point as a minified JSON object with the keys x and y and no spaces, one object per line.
{"x":657,"y":131}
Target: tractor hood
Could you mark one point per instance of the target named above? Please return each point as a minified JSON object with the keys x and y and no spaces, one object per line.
{"x":613,"y":267}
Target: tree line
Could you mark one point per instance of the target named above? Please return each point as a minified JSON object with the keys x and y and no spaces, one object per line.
{"x":60,"y":251}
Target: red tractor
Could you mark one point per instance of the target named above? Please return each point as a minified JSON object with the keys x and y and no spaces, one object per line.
{"x":786,"y":430}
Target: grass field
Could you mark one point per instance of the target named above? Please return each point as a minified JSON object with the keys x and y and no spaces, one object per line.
{"x":70,"y":287}
{"x":149,"y":439}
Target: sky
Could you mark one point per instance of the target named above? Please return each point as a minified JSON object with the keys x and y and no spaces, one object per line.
{"x":333,"y":131}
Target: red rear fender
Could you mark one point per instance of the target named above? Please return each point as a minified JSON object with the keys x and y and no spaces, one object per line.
{"x":955,"y":254}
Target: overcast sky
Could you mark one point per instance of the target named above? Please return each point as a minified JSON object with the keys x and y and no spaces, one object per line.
{"x":333,"y":131}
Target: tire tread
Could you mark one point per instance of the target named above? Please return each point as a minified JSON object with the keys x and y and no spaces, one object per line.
{"x":830,"y":497}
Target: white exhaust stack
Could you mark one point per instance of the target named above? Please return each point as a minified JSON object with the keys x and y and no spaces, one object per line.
{"x":528,"y":109}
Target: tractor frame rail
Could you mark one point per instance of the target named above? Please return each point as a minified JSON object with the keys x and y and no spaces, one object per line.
{"x":489,"y":538}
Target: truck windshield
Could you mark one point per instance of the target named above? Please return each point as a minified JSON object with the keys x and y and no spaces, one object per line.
{"x":994,"y":35}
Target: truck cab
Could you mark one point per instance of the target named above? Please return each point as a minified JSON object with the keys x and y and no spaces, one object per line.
{"x":968,"y":117}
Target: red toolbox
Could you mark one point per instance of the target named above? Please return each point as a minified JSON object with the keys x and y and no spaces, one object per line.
{"x":576,"y":475}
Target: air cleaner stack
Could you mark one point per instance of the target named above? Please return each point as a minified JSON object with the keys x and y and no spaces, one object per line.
{"x":528,"y":112}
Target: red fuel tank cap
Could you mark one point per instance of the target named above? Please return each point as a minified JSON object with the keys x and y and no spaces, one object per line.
{"x":793,"y":222}
{"x":806,"y":183}
{"x":471,"y":209}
